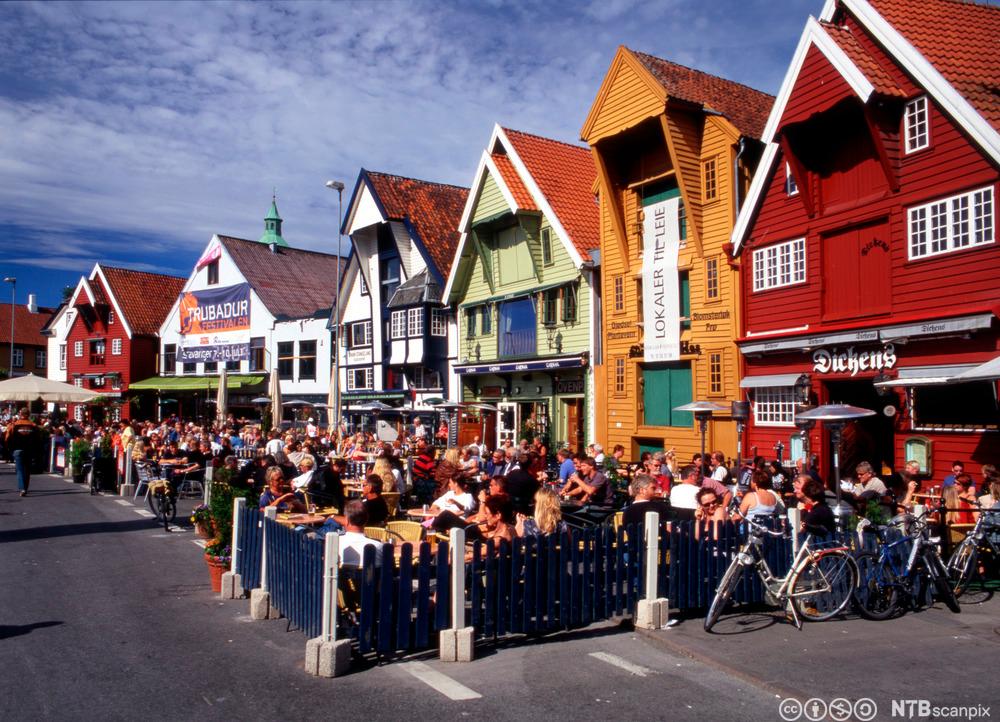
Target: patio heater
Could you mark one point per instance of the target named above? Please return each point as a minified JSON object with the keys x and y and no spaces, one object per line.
{"x":741,"y":414}
{"x":836,"y":417}
{"x":804,"y":425}
{"x":703,"y":411}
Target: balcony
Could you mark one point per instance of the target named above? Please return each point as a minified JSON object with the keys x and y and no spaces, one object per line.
{"x":516,"y":344}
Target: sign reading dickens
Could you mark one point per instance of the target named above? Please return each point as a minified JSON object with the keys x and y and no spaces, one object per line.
{"x":660,"y":294}
{"x":851,"y":361}
{"x":215,"y":324}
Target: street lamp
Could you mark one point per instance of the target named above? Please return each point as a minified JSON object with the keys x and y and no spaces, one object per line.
{"x":13,"y":285}
{"x":339,"y":187}
{"x":702,"y":412}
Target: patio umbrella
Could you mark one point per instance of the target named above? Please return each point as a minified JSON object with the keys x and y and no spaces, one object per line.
{"x":222,"y":398}
{"x":262,"y":400}
{"x":38,"y":388}
{"x":274,"y":391}
{"x":295,"y":402}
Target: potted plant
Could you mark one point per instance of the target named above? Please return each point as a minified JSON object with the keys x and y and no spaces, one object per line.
{"x":218,"y":557}
{"x":218,"y":554}
{"x":201,"y":518}
{"x":78,"y":453}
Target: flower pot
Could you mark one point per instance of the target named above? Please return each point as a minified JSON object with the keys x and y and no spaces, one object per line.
{"x":204,"y":530}
{"x":215,"y":571}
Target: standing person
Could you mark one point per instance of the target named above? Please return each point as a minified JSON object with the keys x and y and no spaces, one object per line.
{"x":419,"y":430}
{"x":22,"y":442}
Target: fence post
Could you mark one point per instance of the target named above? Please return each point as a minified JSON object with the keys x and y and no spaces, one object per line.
{"x":232,"y":583}
{"x":651,"y":611}
{"x":457,"y":642}
{"x":127,"y":489}
{"x":207,"y":486}
{"x":326,"y":656}
{"x":260,"y":599}
{"x":795,"y":520}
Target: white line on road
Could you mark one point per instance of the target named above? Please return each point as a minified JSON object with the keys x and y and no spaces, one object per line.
{"x":123,"y":502}
{"x":143,"y":512}
{"x":440,"y":682}
{"x":616,"y":661}
{"x":199,"y":542}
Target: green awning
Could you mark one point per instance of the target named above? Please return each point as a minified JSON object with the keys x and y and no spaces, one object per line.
{"x":194,"y":383}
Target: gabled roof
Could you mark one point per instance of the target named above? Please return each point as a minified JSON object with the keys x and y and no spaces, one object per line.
{"x":432,"y":210}
{"x":142,"y":299}
{"x":513,"y":181}
{"x":291,"y":283}
{"x":745,"y":107}
{"x":27,"y":325}
{"x":878,"y":76}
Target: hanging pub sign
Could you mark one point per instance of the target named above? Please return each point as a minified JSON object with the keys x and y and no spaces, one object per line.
{"x":660,"y":281}
{"x":215,"y":324}
{"x":827,"y":361}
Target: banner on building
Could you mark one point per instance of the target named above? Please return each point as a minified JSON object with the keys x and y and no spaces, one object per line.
{"x":660,"y":281}
{"x":215,"y":324}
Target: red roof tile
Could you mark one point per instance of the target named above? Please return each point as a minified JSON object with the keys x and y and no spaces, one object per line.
{"x":876,"y":74}
{"x":745,"y":107}
{"x":513,"y":182}
{"x":144,"y":298}
{"x":27,"y":326}
{"x":960,"y":39}
{"x":434,"y":209}
{"x":565,"y":174}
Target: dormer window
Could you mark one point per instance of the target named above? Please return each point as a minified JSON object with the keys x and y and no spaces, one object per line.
{"x":916,"y":127}
{"x":791,"y":187}
{"x":111,"y":318}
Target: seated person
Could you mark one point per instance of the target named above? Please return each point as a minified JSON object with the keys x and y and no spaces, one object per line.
{"x":817,"y":518}
{"x":371,"y":494}
{"x":496,"y":524}
{"x":589,"y":485}
{"x":275,"y":495}
{"x":327,"y":484}
{"x":353,"y":541}
{"x":710,"y":506}
{"x":306,"y":471}
{"x":547,"y":518}
{"x":684,"y":496}
{"x":522,"y":485}
{"x":456,"y":500}
{"x":645,"y":492}
{"x":761,"y":499}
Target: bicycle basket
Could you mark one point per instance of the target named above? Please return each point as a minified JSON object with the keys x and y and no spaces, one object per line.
{"x":159,"y":487}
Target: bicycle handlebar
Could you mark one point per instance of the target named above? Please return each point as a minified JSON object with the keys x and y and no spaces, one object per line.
{"x":760,"y":528}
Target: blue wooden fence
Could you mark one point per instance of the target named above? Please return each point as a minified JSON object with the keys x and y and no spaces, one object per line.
{"x":249,"y":543}
{"x":295,"y":576}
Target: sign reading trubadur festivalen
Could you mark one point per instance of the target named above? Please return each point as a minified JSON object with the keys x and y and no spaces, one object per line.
{"x":215,"y":324}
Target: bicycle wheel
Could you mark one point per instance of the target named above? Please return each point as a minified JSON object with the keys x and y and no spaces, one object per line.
{"x":939,"y":575}
{"x":154,"y":505}
{"x":824,"y":586}
{"x":962,"y":566}
{"x":878,"y":591}
{"x":723,"y":594}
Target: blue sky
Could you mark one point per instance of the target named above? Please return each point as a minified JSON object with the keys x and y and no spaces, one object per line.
{"x":131,"y":132}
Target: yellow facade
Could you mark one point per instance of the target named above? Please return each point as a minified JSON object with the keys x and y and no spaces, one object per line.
{"x":643,"y":139}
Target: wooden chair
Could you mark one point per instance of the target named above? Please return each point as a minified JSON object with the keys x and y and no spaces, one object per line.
{"x":616,"y":523}
{"x":392,"y":502}
{"x":409,"y":531}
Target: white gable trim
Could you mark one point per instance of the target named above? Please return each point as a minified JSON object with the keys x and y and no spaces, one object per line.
{"x":114,"y":301}
{"x":82,"y":285}
{"x":754,"y":195}
{"x":501,"y":183}
{"x":464,"y":224}
{"x":364,"y":209}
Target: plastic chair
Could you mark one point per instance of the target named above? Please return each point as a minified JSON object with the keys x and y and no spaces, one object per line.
{"x":145,"y":476}
{"x":410,"y":531}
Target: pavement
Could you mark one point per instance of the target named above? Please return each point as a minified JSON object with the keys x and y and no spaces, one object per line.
{"x":104,"y":616}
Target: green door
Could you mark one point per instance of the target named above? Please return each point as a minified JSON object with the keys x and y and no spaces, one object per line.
{"x":666,"y":386}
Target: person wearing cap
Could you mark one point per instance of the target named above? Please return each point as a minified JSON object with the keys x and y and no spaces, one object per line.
{"x":311,"y":429}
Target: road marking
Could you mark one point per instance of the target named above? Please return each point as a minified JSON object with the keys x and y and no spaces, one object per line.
{"x":199,"y":542}
{"x":123,"y":502}
{"x":440,"y":682}
{"x":616,"y":661}
{"x":143,"y":512}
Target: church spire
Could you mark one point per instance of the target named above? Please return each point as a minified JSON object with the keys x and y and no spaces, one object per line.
{"x":272,"y":225}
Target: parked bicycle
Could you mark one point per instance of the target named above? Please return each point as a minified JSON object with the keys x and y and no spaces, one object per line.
{"x":163,"y":501}
{"x":977,"y":556}
{"x":818,"y":585}
{"x":894,"y":579}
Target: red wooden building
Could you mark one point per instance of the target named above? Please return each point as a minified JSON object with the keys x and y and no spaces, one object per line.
{"x":867,"y":241}
{"x":113,"y":339}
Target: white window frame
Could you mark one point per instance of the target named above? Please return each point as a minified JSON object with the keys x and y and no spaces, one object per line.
{"x":78,"y":383}
{"x":111,"y":317}
{"x":116,"y":383}
{"x":78,"y":412}
{"x":41,"y":358}
{"x":439,"y":322}
{"x":116,"y":347}
{"x":916,"y":125}
{"x":774,"y":406}
{"x":779,"y":265}
{"x":62,"y":357}
{"x":364,"y":284}
{"x":397,"y":325}
{"x":78,"y":349}
{"x":366,"y":326}
{"x":951,"y":224}
{"x":415,"y":322}
{"x":352,"y":383}
{"x":18,"y":360}
{"x":791,"y":187}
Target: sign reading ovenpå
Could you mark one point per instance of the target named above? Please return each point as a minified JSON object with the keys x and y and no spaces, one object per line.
{"x":215,"y":324}
{"x":660,"y":293}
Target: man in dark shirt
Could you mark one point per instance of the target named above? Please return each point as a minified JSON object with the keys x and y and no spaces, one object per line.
{"x":644,"y":490}
{"x":589,"y":485}
{"x":371,"y":491}
{"x":521,"y":486}
{"x":23,"y":443}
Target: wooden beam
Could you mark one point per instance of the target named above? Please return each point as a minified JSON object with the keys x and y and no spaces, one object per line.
{"x":484,"y":259}
{"x":883,"y":155}
{"x":799,"y":173}
{"x":614,"y":209}
{"x":690,"y":188}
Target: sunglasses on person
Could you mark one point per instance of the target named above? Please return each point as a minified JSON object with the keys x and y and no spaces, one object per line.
{"x":710,"y":505}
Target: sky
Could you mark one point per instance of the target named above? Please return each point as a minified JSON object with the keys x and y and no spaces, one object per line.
{"x":131,"y":132}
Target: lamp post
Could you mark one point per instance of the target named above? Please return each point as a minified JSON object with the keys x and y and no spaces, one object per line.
{"x":339,"y":187}
{"x":702,"y":412}
{"x":13,"y":286}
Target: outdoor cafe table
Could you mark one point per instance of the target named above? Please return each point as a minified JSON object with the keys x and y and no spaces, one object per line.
{"x":420,"y":514}
{"x":317,"y":518}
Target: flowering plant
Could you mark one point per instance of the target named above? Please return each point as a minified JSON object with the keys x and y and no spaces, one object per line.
{"x":219,"y":552}
{"x":201,"y":514}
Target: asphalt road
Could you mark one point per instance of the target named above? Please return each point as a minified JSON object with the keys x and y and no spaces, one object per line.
{"x":103,"y":615}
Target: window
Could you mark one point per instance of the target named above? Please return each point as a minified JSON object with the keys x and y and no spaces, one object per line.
{"x":439,"y":322}
{"x":709,"y":180}
{"x":361,"y":334}
{"x":97,"y":350}
{"x":486,"y":320}
{"x":470,"y":322}
{"x":791,"y":187}
{"x":232,"y":365}
{"x":638,"y":298}
{"x":212,"y":269}
{"x":958,"y":407}
{"x":97,"y":383}
{"x":189,"y":367}
{"x":78,"y":409}
{"x":550,"y":306}
{"x":779,"y":265}
{"x":712,"y":278}
{"x":665,"y":386}
{"x":774,"y":406}
{"x":390,"y":278}
{"x":415,"y":322}
{"x":18,"y":358}
{"x":286,"y":359}
{"x":951,"y":224}
{"x":618,"y":294}
{"x":62,"y":357}
{"x":569,"y":303}
{"x":715,"y":373}
{"x":514,"y":256}
{"x":41,"y":358}
{"x":116,"y":383}
{"x":518,"y":320}
{"x":111,"y":317}
{"x":397,"y":325}
{"x":78,"y":349}
{"x":169,"y":358}
{"x":359,"y":379}
{"x":211,"y":367}
{"x":257,"y":354}
{"x":307,"y":360}
{"x":116,"y":347}
{"x":915,"y":125}
{"x":422,"y":378}
{"x":684,"y":283}
{"x":364,"y":284}
{"x":546,"y":247}
{"x":619,"y":377}
{"x":682,"y":220}
{"x":78,"y":383}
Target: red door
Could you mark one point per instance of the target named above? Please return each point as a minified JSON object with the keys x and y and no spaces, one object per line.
{"x":857,"y":278}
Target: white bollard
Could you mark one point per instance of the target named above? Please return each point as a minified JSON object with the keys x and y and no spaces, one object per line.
{"x":127,"y":489}
{"x":326,"y":656}
{"x":457,"y":642}
{"x":652,"y":612}
{"x":795,"y":521}
{"x":260,"y":598}
{"x":232,"y":583}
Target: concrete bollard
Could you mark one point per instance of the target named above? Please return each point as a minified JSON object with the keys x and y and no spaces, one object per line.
{"x":795,"y":521}
{"x":127,"y":488}
{"x":327,"y":656}
{"x":260,"y":598}
{"x":457,"y":642}
{"x":652,"y":612}
{"x":232,"y":582}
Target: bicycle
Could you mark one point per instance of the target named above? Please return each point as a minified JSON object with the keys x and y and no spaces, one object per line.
{"x":163,"y":501}
{"x":888,"y":583}
{"x":818,"y":585}
{"x":963,"y":565}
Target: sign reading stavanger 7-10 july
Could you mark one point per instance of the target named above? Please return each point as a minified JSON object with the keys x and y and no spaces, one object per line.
{"x":215,"y":324}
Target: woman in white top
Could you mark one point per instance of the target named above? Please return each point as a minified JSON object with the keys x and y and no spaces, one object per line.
{"x":760,"y":500}
{"x":456,"y":500}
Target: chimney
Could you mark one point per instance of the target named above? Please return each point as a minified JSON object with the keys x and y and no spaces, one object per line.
{"x":32,"y":303}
